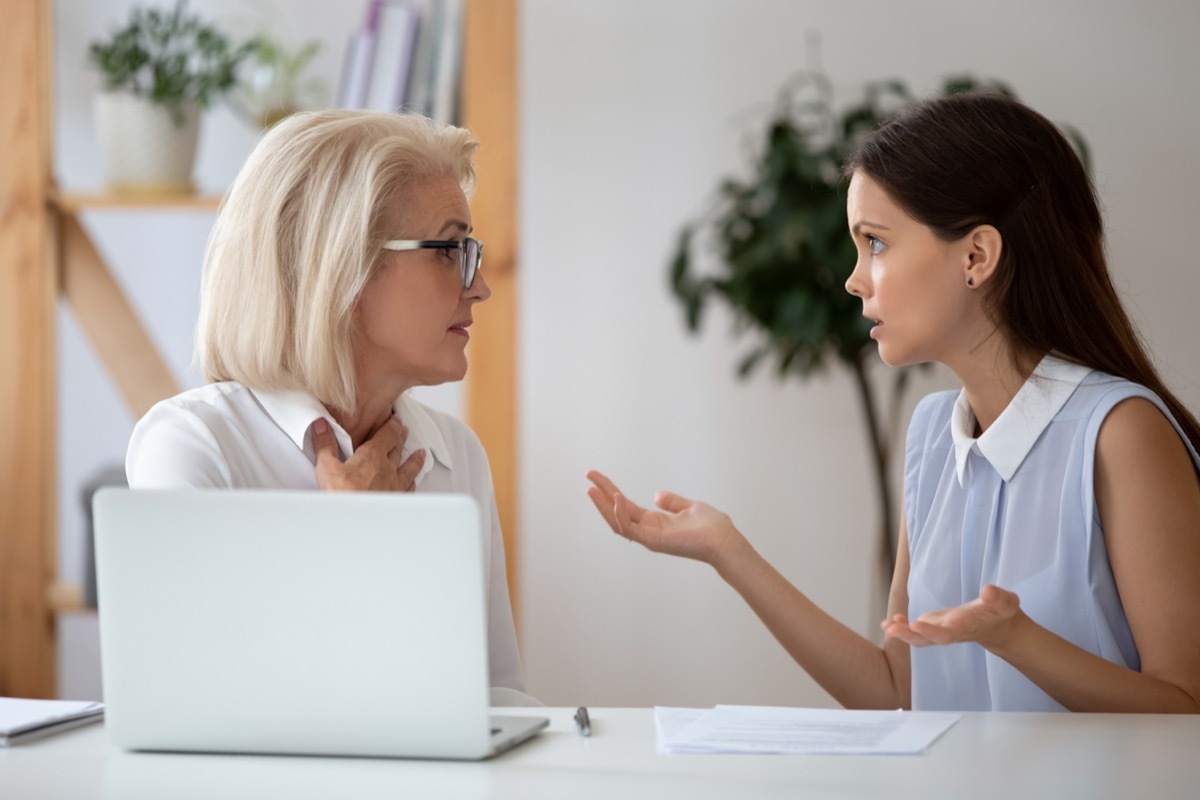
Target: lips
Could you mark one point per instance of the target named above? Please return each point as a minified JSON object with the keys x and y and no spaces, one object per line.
{"x":461,"y":328}
{"x":875,"y":325}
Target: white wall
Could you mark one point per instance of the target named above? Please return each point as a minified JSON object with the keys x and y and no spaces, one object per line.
{"x":631,"y":111}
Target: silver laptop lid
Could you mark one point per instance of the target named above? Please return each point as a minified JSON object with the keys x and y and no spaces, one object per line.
{"x":293,"y":622}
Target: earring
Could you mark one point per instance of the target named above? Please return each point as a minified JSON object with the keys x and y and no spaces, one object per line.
{"x":970,"y":281}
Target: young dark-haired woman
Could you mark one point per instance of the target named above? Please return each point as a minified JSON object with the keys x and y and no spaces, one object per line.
{"x":1050,"y":540}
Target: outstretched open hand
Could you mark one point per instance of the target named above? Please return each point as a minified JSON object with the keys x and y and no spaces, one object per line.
{"x":378,"y":465}
{"x":985,"y":620}
{"x":682,"y":527}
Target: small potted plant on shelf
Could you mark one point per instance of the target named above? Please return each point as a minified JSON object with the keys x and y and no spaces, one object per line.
{"x":159,"y":71}
{"x":275,"y":86}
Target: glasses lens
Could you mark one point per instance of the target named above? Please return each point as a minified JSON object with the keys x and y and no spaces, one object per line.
{"x":472,"y":255}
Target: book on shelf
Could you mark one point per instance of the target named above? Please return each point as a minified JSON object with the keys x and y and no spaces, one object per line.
{"x":359,"y":59}
{"x":419,"y":95}
{"x":399,"y":24}
{"x":447,"y":72}
{"x":407,"y":56}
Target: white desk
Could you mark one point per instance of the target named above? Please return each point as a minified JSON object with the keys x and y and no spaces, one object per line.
{"x":1009,"y":756}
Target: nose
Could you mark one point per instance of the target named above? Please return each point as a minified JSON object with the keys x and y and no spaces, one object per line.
{"x":856,"y":284}
{"x":479,"y":289}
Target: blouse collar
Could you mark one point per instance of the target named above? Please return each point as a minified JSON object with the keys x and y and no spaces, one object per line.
{"x":295,"y":412}
{"x":1010,"y":438}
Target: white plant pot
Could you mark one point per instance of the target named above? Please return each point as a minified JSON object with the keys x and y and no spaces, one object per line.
{"x":144,"y":151}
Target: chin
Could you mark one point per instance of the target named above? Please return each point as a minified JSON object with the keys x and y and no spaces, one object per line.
{"x":896,"y":358}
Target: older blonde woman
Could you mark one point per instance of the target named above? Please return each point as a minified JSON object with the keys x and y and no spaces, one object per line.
{"x":340,"y":273}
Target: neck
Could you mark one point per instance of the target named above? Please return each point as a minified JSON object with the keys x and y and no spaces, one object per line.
{"x":374,"y":408}
{"x":992,"y":373}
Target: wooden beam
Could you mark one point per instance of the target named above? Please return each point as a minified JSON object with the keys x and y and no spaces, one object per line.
{"x":27,"y":389}
{"x":111,"y":324}
{"x":489,"y":109}
{"x":74,"y":202}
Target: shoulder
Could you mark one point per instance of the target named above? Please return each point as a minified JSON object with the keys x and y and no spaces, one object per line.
{"x":450,"y":426}
{"x":180,"y":439}
{"x":1135,"y":429}
{"x":936,"y":406}
{"x":439,"y":427}
{"x":211,"y":396}
{"x":1120,"y":414}
{"x":189,"y":404}
{"x":213,"y":406}
{"x":931,"y":417}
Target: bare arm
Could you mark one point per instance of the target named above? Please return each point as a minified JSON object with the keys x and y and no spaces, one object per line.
{"x":1148,"y":497}
{"x":851,"y":668}
{"x":856,"y":672}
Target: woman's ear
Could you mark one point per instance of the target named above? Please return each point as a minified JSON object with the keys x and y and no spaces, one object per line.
{"x":981,"y":247}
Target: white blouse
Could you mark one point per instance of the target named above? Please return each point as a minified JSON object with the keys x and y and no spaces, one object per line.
{"x":225,"y":435}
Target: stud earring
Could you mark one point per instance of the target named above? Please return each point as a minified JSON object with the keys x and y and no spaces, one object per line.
{"x":970,"y":281}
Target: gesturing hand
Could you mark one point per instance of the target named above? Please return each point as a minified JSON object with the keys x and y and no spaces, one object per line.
{"x":985,"y":620}
{"x":688,"y":528}
{"x":376,"y":466}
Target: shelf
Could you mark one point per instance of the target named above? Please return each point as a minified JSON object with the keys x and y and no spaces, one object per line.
{"x":66,"y":598}
{"x":74,"y":202}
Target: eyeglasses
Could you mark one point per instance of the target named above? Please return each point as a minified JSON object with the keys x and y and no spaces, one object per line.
{"x":470,"y":251}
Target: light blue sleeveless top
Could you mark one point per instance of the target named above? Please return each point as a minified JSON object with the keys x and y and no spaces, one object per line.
{"x":1015,"y":508}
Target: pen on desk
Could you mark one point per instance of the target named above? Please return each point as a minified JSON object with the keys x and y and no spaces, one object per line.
{"x":582,"y":722}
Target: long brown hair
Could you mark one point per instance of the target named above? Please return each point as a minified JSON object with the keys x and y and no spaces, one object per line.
{"x":980,"y":158}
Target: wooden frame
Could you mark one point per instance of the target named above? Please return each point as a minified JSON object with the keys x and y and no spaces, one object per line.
{"x":27,"y":365}
{"x":489,"y":106}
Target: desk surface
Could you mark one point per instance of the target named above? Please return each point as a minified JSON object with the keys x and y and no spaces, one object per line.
{"x":982,"y":756}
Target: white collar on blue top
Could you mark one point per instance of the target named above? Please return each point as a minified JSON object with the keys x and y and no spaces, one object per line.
{"x":1010,"y":438}
{"x":295,"y":412}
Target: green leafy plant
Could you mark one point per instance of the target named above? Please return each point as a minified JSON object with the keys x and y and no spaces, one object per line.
{"x":274,"y":87}
{"x":783,"y":255}
{"x":172,"y":58}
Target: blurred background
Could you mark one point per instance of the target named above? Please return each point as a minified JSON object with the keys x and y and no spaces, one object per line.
{"x":631,"y":111}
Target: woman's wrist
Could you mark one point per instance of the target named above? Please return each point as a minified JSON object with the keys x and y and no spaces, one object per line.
{"x":731,"y":554}
{"x":1006,"y":639}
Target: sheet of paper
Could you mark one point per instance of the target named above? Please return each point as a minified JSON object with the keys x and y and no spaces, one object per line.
{"x":798,"y":731}
{"x":18,"y":714}
{"x":670,"y":722}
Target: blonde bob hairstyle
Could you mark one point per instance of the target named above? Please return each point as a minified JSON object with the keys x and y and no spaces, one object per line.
{"x":299,"y":235}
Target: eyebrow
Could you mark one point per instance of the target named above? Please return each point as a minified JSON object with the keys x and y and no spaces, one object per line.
{"x":858,"y":226}
{"x":454,"y":223}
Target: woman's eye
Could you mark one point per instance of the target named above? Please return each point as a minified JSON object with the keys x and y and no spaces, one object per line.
{"x":875,"y":245}
{"x":449,"y":253}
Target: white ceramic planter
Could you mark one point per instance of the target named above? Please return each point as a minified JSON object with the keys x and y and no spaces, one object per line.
{"x":144,"y":151}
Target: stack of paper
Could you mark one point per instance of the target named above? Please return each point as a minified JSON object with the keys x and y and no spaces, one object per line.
{"x":797,"y":731}
{"x":24,"y":720}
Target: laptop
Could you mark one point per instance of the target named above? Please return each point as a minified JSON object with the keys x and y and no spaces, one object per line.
{"x":318,"y":623}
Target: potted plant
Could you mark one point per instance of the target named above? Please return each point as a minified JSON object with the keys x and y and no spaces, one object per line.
{"x":275,"y":87}
{"x":783,"y":255}
{"x":158,"y":71}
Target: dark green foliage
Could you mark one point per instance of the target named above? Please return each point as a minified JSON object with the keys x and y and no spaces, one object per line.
{"x":169,"y":57}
